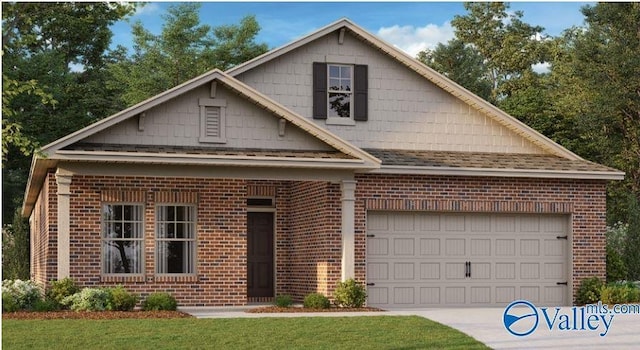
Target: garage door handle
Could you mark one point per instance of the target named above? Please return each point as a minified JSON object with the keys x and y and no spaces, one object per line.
{"x":467,"y":269}
{"x":561,"y":283}
{"x":371,"y":284}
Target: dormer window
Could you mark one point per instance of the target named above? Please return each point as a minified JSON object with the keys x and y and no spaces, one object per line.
{"x":340,"y":93}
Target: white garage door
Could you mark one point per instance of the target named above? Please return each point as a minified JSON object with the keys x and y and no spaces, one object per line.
{"x":433,"y":259}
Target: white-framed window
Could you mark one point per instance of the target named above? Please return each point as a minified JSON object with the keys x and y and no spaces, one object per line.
{"x":122,"y":238}
{"x":175,"y":239}
{"x":340,"y":91}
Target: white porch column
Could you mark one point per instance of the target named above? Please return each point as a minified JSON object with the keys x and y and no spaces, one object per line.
{"x":348,"y":227}
{"x":63,"y":180}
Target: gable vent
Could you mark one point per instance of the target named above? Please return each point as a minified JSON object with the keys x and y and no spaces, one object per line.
{"x":212,"y":120}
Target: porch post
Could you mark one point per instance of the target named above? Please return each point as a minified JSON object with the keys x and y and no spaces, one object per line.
{"x":63,"y":180}
{"x":348,"y":227}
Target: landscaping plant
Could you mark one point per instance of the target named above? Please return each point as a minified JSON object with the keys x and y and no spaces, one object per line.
{"x":19,"y":295}
{"x":88,"y":299}
{"x":121,"y":300}
{"x":60,"y":289}
{"x":316,"y":301}
{"x":589,"y":291}
{"x":350,"y":294}
{"x":283,"y":300}
{"x":160,"y":301}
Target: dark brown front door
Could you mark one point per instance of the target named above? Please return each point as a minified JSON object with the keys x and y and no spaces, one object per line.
{"x":260,"y":254}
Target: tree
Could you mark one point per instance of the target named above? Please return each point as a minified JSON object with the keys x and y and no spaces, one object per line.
{"x":632,"y":241}
{"x":509,"y":46}
{"x":461,"y":63}
{"x":51,"y":52}
{"x":15,"y":249}
{"x":596,"y":73}
{"x":184,"y":50}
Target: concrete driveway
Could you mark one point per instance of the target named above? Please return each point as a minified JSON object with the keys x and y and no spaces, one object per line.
{"x":486,"y":325}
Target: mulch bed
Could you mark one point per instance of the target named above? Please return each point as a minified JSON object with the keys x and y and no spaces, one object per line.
{"x":277,"y":309}
{"x":98,"y":315}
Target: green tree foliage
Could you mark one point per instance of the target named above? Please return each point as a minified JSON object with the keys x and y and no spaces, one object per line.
{"x":15,"y":249}
{"x":596,"y":82}
{"x":460,"y":63}
{"x":51,"y":52}
{"x":183,"y":50}
{"x":508,"y":45}
{"x":632,"y":241}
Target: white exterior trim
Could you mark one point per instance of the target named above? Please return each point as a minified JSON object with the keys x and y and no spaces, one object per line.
{"x":348,"y":188}
{"x":63,"y":180}
{"x":533,"y":173}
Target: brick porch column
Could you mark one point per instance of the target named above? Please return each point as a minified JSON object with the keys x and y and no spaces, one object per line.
{"x":348,"y":199}
{"x":63,"y":180}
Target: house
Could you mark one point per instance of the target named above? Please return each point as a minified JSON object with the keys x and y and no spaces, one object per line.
{"x":332,"y":157}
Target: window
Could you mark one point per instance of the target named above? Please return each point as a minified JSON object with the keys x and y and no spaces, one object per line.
{"x":339,"y":90}
{"x":340,"y":93}
{"x":175,"y":239}
{"x":122,"y":238}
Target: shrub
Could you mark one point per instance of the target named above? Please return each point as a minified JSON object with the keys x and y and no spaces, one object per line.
{"x":589,"y":291}
{"x":88,"y":299}
{"x":620,"y":293}
{"x":160,"y":301}
{"x":60,"y":289}
{"x":19,"y":295}
{"x":283,"y":300}
{"x":616,"y":269}
{"x":316,"y":301}
{"x":121,"y":300}
{"x":350,"y":294}
{"x":46,"y":304}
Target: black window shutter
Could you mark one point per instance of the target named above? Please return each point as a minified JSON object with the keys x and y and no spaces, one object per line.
{"x":319,"y":90}
{"x":360,"y":89}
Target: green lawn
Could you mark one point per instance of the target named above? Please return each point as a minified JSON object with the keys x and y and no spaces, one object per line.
{"x":368,"y":332}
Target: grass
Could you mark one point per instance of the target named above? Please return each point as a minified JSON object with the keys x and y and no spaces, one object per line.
{"x":367,"y":332}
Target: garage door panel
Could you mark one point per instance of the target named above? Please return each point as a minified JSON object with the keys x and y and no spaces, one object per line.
{"x":430,"y":246}
{"x":420,"y":259}
{"x":377,"y":247}
{"x":403,"y":271}
{"x":505,"y":247}
{"x":455,"y":247}
{"x":403,"y":246}
{"x":430,"y":271}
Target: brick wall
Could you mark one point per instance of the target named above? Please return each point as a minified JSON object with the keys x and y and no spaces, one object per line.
{"x":43,"y":228}
{"x":220,"y":277}
{"x":314,"y":256}
{"x":584,"y":199}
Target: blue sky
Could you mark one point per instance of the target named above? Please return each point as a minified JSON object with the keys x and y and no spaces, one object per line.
{"x":411,"y":26}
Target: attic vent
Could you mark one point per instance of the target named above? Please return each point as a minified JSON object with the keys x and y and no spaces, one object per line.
{"x":212,"y":120}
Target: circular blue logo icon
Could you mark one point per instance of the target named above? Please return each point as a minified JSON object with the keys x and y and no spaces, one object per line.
{"x":520,"y":318}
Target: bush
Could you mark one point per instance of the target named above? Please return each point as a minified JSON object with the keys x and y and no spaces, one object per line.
{"x":350,"y":294}
{"x":88,"y":299}
{"x":19,"y":295}
{"x":316,"y":301}
{"x":620,"y":293}
{"x":616,"y":269}
{"x":58,"y":290}
{"x":160,"y":301}
{"x":46,"y":304}
{"x":283,"y":300}
{"x":589,"y":291}
{"x":121,"y":300}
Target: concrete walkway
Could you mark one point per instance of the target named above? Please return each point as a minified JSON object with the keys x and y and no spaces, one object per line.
{"x":483,"y":324}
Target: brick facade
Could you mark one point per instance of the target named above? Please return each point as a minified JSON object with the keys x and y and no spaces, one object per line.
{"x":307,"y":226}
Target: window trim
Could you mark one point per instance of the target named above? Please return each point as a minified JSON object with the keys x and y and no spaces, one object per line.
{"x":141,"y":240}
{"x":156,"y":239}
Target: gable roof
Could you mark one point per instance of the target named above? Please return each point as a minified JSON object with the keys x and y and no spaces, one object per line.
{"x":71,"y":147}
{"x":431,"y":75}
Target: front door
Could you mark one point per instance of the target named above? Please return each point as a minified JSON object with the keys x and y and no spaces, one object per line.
{"x":260,"y":255}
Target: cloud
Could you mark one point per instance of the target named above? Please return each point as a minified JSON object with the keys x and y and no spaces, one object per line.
{"x":412,"y":39}
{"x":149,"y":8}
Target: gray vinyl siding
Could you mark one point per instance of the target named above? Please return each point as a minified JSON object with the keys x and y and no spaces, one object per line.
{"x":405,"y":110}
